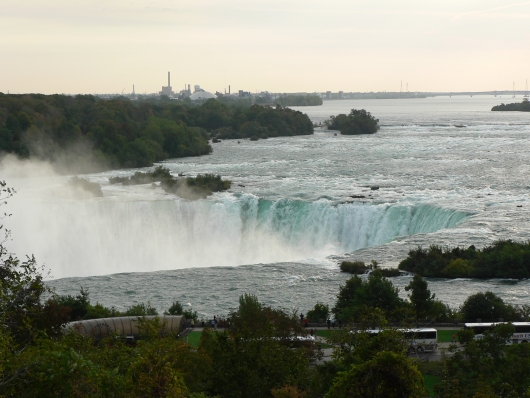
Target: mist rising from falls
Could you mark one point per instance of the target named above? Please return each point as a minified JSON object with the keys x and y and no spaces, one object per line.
{"x":104,"y":236}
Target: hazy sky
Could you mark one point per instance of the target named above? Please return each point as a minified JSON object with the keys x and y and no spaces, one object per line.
{"x":95,"y":46}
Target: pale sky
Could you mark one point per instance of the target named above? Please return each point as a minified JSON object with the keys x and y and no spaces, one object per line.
{"x":106,"y":46}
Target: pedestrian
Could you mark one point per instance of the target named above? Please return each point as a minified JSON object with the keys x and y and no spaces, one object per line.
{"x":454,"y":337}
{"x":333,"y":323}
{"x":306,"y":322}
{"x":328,"y":322}
{"x":301,"y":317}
{"x":192,"y":324}
{"x":312,"y":332}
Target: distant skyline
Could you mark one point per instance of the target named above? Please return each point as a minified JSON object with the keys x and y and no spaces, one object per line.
{"x":97,"y":46}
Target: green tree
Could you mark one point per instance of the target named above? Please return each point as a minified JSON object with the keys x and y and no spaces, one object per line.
{"x":256,"y":355}
{"x":356,"y":122}
{"x":487,"y":307}
{"x":386,"y":375}
{"x":177,"y":309}
{"x":357,"y":295}
{"x":319,"y":311}
{"x":420,"y":296}
{"x":141,"y":310}
{"x":486,"y":362}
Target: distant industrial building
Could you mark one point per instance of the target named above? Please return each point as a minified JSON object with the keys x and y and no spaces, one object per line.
{"x":167,"y":90}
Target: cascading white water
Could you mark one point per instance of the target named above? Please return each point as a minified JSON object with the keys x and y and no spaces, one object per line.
{"x":104,"y":236}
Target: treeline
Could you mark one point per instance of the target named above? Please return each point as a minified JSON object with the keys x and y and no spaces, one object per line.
{"x":359,"y":297}
{"x":515,"y":107}
{"x":299,"y":100}
{"x":356,"y":122}
{"x":255,"y":122}
{"x":503,"y":259}
{"x":123,"y":133}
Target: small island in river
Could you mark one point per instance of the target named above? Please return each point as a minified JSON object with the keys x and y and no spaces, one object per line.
{"x":503,"y":259}
{"x":515,"y":107}
{"x":355,"y":123}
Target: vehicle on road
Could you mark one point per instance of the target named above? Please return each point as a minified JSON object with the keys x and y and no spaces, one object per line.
{"x":521,"y":334}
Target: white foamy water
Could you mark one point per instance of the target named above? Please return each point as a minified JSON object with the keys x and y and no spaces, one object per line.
{"x":291,"y":207}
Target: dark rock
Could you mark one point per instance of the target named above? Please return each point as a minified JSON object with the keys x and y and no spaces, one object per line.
{"x":374,"y":187}
{"x":357,"y":196}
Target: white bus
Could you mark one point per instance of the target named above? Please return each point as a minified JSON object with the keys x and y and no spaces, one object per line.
{"x":521,"y":334}
{"x":418,"y":340}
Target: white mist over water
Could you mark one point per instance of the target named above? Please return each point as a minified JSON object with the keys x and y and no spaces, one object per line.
{"x":107,"y":235}
{"x":291,"y":201}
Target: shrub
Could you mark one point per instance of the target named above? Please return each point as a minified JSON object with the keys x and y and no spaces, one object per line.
{"x":354,"y":267}
{"x":319,"y":311}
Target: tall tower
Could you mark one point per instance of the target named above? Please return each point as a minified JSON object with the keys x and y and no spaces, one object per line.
{"x":166,"y":90}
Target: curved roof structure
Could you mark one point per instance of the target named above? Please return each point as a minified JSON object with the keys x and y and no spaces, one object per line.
{"x":128,"y":325}
{"x":202,"y":95}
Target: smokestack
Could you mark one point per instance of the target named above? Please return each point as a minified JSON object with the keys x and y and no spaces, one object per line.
{"x":168,"y":79}
{"x":229,"y":89}
{"x":189,"y":88}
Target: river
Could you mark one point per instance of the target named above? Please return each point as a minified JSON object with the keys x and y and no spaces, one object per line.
{"x":297,"y":207}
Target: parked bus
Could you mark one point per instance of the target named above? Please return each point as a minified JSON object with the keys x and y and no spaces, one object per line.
{"x":418,"y":340}
{"x":521,"y":334}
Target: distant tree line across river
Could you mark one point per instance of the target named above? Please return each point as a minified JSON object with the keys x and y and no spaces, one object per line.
{"x":124,"y":133}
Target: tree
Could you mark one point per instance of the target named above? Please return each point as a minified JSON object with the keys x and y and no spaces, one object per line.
{"x":487,"y":307}
{"x":486,"y":367}
{"x":420,"y":297}
{"x":356,"y":122}
{"x":358,"y":295}
{"x":177,"y":309}
{"x":386,"y":375}
{"x":255,"y":355}
{"x":319,"y":311}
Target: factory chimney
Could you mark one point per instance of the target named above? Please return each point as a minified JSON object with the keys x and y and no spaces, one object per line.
{"x":229,"y":89}
{"x":168,"y":79}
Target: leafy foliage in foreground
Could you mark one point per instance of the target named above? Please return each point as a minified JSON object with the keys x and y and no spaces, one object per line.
{"x":503,"y":259}
{"x":486,"y":367}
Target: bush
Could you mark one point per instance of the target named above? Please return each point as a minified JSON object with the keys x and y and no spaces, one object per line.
{"x":141,"y":310}
{"x":357,"y":122}
{"x":487,"y":307}
{"x":319,"y":311}
{"x":177,"y":309}
{"x":354,"y":267}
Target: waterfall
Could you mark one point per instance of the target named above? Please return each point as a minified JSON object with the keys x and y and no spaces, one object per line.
{"x":104,"y":236}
